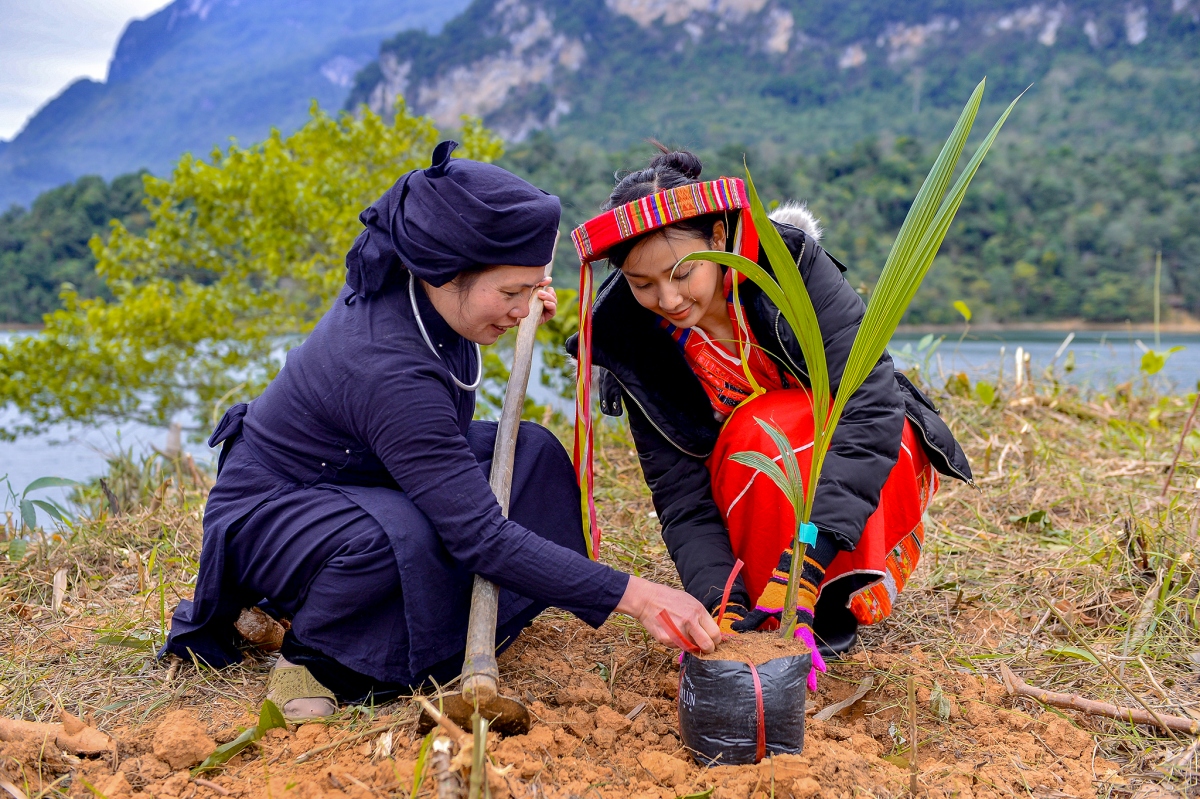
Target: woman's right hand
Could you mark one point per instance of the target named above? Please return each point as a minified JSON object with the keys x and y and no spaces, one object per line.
{"x":645,"y":600}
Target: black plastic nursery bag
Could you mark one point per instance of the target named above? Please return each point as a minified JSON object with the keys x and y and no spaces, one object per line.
{"x":731,"y":713}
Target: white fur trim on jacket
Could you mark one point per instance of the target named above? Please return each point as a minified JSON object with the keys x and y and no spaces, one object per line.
{"x":797,"y":214}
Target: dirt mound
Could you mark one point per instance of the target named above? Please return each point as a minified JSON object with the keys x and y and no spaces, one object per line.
{"x":756,"y":648}
{"x":180,"y":740}
{"x":606,"y":726}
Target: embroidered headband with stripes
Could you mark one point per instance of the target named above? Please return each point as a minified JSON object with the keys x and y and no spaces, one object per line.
{"x":595,"y":237}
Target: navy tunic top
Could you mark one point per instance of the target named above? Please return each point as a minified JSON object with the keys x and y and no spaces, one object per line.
{"x":365,"y":416}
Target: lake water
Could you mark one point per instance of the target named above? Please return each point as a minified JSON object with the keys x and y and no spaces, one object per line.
{"x":1101,"y":359}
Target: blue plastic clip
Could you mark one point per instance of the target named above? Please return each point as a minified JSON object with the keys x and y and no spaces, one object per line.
{"x":808,"y":533}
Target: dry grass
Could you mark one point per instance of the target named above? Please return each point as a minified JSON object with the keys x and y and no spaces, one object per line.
{"x":1067,"y":514}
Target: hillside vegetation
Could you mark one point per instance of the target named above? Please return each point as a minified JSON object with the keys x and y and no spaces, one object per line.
{"x":799,"y":76}
{"x":840,"y":104}
{"x":45,"y":249}
{"x":837,"y":104}
{"x":1043,"y":235}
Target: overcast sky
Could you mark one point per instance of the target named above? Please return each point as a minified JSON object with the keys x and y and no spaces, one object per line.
{"x":47,"y":44}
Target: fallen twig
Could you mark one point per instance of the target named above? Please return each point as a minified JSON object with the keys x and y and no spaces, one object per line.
{"x":212,"y":786}
{"x":71,"y":736}
{"x":348,"y":739}
{"x":448,"y":782}
{"x":1018,"y":687}
{"x":1112,"y":674}
{"x":826,"y":713}
{"x":453,"y":730}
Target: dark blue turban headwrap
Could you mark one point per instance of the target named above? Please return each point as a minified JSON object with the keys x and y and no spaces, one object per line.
{"x":454,"y":216}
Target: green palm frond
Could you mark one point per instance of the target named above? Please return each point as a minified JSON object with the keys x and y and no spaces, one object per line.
{"x":761,"y":463}
{"x":912,"y":254}
{"x":908,"y":262}
{"x":787,"y":456}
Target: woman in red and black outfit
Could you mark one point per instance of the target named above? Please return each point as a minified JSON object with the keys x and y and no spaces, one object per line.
{"x":667,"y":345}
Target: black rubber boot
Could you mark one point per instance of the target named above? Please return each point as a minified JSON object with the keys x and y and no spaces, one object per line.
{"x":835,"y":627}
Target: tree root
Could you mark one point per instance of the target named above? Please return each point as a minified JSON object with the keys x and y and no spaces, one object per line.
{"x":1018,"y":687}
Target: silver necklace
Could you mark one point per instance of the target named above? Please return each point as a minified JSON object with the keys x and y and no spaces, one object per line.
{"x":412,"y":296}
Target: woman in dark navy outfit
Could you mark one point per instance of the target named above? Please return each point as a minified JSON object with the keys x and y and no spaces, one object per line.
{"x":352,"y":496}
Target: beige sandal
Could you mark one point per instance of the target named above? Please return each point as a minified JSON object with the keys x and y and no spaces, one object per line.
{"x":290,"y":682}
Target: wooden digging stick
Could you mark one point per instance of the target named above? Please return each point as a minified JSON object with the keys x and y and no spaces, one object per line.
{"x":1018,"y":687}
{"x":480,"y":676}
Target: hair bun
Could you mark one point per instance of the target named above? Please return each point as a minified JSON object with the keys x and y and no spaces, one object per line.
{"x":682,"y":161}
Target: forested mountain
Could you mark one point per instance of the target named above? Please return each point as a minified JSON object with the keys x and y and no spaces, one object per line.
{"x":802,"y":75}
{"x":839,"y":102}
{"x":198,"y":72}
{"x":843,"y":104}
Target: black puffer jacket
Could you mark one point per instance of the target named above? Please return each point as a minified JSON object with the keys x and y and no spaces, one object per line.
{"x":641,"y":367}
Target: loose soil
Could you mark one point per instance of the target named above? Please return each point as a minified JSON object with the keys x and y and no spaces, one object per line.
{"x":756,"y":648}
{"x":606,"y":726}
{"x":1067,"y":514}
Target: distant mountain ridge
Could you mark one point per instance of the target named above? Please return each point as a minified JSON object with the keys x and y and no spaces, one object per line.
{"x":198,"y":72}
{"x":707,"y":71}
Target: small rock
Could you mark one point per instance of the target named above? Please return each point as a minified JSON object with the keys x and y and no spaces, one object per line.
{"x":175,"y":785}
{"x":805,"y":788}
{"x":836,"y":732}
{"x":71,"y":723}
{"x":541,"y":740}
{"x":789,"y":767}
{"x":151,"y":768}
{"x":589,"y":690}
{"x":115,"y":787}
{"x":627,"y":701}
{"x":564,"y":742}
{"x":580,"y":722}
{"x":180,"y":740}
{"x":260,"y":629}
{"x":609,"y":719}
{"x":311,"y":734}
{"x":665,"y":769}
{"x":604,"y":738}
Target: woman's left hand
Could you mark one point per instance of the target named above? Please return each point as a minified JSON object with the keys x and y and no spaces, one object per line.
{"x":549,"y":301}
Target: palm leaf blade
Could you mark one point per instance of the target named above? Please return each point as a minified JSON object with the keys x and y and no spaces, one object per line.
{"x":787,"y":455}
{"x":761,"y":463}
{"x":895,"y":290}
{"x":803,"y":318}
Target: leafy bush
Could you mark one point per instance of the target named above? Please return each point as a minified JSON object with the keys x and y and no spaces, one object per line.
{"x":245,"y":252}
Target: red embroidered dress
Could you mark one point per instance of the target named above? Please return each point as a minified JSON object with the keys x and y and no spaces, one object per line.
{"x":760,"y":521}
{"x":719,"y":365}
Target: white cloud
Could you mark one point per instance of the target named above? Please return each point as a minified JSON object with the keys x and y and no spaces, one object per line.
{"x":47,"y":44}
